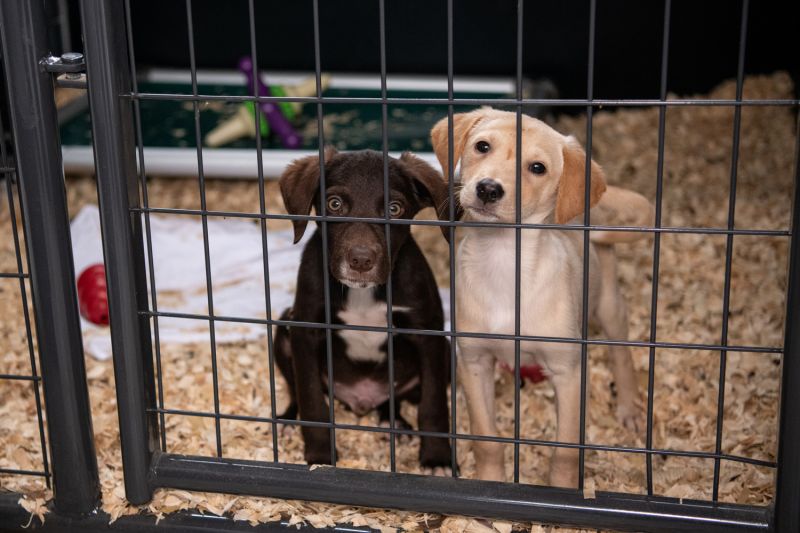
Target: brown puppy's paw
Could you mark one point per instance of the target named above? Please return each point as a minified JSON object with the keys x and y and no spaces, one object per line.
{"x":317,"y":446}
{"x":438,"y":471}
{"x":434,"y":452}
{"x":319,"y":456}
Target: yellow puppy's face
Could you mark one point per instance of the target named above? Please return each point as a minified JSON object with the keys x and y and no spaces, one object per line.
{"x":552,"y":175}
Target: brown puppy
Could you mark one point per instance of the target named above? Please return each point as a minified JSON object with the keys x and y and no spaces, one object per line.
{"x":553,"y":186}
{"x":360,"y":262}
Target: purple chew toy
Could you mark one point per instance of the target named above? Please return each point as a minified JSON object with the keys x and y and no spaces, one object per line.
{"x":277,"y":122}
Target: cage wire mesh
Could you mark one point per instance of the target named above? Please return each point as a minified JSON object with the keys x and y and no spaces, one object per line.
{"x":19,"y":376}
{"x":589,"y":104}
{"x":384,"y":101}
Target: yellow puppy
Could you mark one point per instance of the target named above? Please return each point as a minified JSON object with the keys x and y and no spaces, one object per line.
{"x":553,"y":187}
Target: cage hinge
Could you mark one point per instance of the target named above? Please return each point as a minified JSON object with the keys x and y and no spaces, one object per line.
{"x":69,"y":67}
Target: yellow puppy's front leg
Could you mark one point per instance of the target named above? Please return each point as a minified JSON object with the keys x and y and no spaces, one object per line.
{"x":564,"y":464}
{"x":476,"y":372}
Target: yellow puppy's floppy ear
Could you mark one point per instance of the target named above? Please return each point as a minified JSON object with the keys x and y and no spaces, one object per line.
{"x":462,"y":124}
{"x":299,"y":185}
{"x":572,"y":186}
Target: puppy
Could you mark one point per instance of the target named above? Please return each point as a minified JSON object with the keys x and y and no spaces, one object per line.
{"x":360,"y":262}
{"x":553,"y":184}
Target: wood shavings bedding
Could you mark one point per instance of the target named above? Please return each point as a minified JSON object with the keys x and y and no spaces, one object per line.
{"x":691,"y":280}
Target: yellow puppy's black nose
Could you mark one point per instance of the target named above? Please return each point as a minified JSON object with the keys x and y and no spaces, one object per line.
{"x":488,"y":190}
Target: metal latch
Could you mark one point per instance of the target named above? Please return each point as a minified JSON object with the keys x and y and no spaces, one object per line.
{"x":70,"y":67}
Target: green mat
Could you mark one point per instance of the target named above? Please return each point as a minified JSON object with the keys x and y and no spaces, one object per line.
{"x":347,"y":126}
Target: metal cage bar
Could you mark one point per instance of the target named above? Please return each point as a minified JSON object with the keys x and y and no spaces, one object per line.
{"x":561,"y":102}
{"x":474,"y":335}
{"x":586,"y":222}
{"x":262,"y":205}
{"x":472,"y":223}
{"x":514,"y":501}
{"x":107,"y":61}
{"x":451,"y":241}
{"x":518,"y":240}
{"x":787,"y":490}
{"x":471,"y":437}
{"x":147,"y":232}
{"x":726,"y":294}
{"x":204,"y":222}
{"x":52,"y":274}
{"x":323,"y":206}
{"x":662,"y":123}
{"x":387,"y":232}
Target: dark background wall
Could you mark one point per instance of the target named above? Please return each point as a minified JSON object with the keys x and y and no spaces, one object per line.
{"x":703,"y":40}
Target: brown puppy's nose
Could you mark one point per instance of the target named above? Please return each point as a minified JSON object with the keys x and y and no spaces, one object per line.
{"x":489,"y":190}
{"x":360,"y":258}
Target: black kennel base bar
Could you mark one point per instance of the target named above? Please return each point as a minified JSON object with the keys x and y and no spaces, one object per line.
{"x":450,"y":496}
{"x":441,"y":495}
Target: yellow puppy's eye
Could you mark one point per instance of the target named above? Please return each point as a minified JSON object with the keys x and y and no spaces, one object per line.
{"x":395,"y":209}
{"x":537,"y":168}
{"x":482,"y":146}
{"x":334,"y":203}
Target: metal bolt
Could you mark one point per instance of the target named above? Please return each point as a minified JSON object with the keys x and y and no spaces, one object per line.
{"x":72,"y":58}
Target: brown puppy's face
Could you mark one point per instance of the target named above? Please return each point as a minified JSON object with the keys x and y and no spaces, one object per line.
{"x":359,"y":255}
{"x":552,"y":168}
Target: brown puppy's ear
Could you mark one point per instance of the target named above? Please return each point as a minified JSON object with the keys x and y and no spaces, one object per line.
{"x":429,"y":183}
{"x":436,"y":189}
{"x":462,"y":124}
{"x":572,"y":186}
{"x":299,"y":184}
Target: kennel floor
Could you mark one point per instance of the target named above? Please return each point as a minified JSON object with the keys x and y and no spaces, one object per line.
{"x":691,"y":277}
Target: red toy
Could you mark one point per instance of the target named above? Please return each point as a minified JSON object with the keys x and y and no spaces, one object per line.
{"x":93,"y":295}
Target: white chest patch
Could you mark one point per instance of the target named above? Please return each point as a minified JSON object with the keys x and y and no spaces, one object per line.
{"x":362,"y":309}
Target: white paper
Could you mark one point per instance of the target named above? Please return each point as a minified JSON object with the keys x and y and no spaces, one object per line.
{"x":237,"y":273}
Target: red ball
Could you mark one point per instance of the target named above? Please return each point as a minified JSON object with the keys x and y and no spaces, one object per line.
{"x":93,"y":294}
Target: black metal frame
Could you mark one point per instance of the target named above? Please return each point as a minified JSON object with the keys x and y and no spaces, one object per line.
{"x":42,"y":193}
{"x":7,"y":175}
{"x":114,"y":104}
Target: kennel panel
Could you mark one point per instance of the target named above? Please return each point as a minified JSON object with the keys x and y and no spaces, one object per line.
{"x":42,"y":201}
{"x":514,"y":441}
{"x":24,"y":460}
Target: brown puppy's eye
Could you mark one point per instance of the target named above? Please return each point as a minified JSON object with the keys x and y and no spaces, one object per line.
{"x":537,"y":168}
{"x":482,"y":147}
{"x":395,"y":209}
{"x":334,"y":203}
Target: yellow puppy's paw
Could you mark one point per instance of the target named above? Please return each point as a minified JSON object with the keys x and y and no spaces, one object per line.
{"x":630,"y":415}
